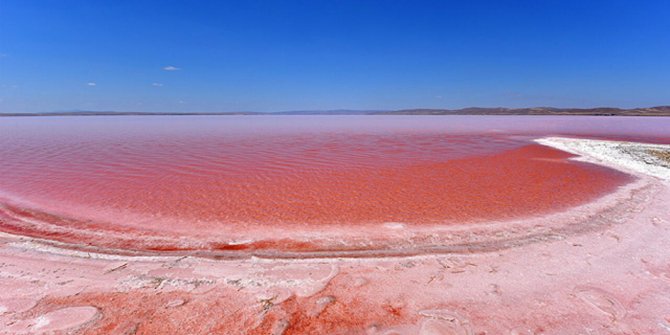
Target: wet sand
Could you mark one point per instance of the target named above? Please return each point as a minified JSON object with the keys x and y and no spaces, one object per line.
{"x":601,"y":267}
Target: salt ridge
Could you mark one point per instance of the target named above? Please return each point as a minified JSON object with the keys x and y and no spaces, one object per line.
{"x":630,"y":157}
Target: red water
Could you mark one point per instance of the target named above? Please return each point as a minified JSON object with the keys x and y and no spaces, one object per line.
{"x":205,"y":176}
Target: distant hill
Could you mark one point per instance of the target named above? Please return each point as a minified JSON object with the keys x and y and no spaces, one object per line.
{"x":599,"y":111}
{"x":604,"y":111}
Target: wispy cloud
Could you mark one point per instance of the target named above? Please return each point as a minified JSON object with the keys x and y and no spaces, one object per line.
{"x":91,"y":84}
{"x":156,"y":84}
{"x":171,"y":68}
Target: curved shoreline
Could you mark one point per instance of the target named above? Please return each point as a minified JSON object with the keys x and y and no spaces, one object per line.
{"x":384,"y":240}
{"x":483,"y":237}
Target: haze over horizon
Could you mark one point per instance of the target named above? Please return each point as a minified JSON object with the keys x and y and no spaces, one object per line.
{"x":267,"y":56}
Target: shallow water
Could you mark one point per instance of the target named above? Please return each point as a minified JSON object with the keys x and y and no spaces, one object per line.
{"x":203,"y":175}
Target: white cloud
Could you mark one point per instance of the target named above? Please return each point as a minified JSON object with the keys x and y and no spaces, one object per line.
{"x":91,"y":84}
{"x":156,"y":84}
{"x":171,"y":68}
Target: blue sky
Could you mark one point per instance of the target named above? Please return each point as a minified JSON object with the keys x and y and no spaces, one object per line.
{"x":202,"y":56}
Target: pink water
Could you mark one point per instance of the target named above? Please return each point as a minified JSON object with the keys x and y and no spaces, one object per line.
{"x":208,"y":177}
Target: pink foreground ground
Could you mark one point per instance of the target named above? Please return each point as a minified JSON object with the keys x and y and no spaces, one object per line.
{"x":599,"y":268}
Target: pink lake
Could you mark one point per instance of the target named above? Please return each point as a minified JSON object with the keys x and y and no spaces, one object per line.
{"x":230,"y":183}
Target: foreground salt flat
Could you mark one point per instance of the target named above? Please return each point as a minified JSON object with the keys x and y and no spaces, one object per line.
{"x":600,"y":268}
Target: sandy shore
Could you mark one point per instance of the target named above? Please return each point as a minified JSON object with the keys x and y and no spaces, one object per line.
{"x":600,"y":268}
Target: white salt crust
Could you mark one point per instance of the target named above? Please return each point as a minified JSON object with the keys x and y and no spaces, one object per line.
{"x":630,"y":157}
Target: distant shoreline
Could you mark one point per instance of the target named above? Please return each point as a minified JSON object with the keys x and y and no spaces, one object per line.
{"x":601,"y":111}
